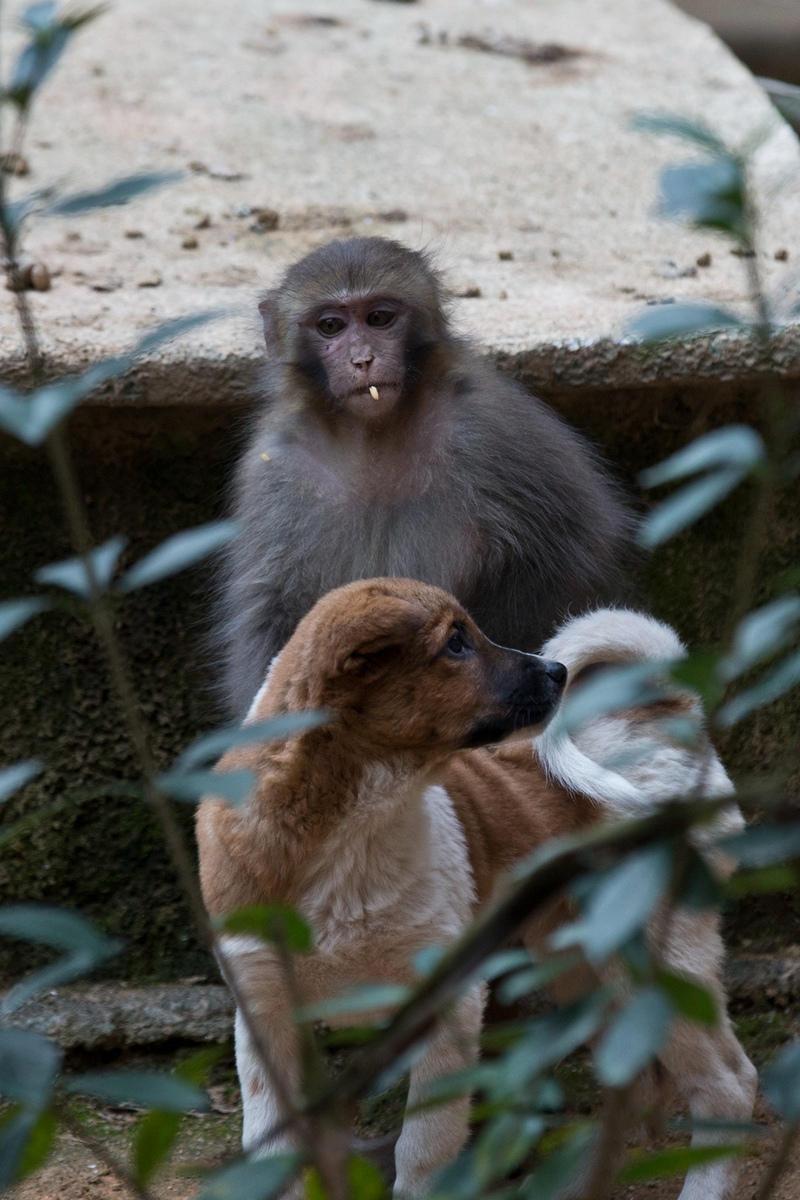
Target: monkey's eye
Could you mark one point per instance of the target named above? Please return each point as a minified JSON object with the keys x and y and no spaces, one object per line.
{"x":330,"y":326}
{"x":380,"y":318}
{"x":457,"y":644}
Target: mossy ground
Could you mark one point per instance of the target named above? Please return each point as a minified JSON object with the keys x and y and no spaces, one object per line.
{"x":148,"y":473}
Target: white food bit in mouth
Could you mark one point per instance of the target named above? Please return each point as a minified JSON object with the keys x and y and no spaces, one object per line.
{"x":373,"y":391}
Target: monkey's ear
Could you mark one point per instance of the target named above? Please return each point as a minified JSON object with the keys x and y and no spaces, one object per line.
{"x":373,"y":641}
{"x":269,"y":319}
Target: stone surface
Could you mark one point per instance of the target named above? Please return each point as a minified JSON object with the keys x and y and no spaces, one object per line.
{"x":108,"y":1016}
{"x":111,"y":1016}
{"x":376,"y":119}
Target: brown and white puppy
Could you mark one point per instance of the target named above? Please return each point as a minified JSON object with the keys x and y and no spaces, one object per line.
{"x":389,"y":826}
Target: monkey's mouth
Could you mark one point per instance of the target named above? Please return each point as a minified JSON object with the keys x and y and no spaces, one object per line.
{"x":375,"y":385}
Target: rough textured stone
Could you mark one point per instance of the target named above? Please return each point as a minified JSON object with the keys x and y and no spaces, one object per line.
{"x":106,"y":1016}
{"x":384,"y":120}
{"x":112,"y":1016}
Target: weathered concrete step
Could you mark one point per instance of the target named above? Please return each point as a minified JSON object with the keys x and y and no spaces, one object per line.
{"x":524,"y":177}
{"x":107,"y":1016}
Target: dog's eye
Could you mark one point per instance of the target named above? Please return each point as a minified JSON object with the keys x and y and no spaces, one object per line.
{"x":457,"y":643}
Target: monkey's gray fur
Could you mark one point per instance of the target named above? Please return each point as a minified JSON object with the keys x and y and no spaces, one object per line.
{"x":499,"y":501}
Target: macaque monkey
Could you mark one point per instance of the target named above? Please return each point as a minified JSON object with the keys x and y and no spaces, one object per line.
{"x":386,"y":445}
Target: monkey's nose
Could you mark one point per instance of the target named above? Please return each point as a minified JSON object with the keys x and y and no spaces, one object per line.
{"x":362,"y":359}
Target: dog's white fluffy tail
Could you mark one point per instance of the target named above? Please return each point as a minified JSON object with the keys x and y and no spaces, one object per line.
{"x":625,"y":761}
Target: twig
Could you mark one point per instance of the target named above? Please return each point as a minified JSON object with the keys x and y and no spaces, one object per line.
{"x":100,"y":1151}
{"x":610,"y":1144}
{"x":780,"y":1162}
{"x":101,"y":615}
{"x":576,"y":857}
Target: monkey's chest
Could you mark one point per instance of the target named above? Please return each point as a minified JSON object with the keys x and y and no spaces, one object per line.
{"x":425,"y":537}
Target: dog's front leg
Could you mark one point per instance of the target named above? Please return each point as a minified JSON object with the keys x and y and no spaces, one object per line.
{"x":431,"y":1139}
{"x":264,"y":1086}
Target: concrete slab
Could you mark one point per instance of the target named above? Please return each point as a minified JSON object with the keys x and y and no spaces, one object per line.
{"x":369,"y":117}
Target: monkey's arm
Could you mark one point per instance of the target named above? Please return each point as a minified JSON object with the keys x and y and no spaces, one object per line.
{"x":560,"y":532}
{"x":262,"y":591}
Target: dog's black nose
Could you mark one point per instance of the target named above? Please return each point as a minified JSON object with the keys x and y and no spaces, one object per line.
{"x":557,"y":672}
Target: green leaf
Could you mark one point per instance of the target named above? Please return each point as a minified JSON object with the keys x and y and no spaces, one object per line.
{"x":361,"y":999}
{"x":708,"y":195}
{"x":781,"y":1082}
{"x":770,"y":688}
{"x":611,"y":690}
{"x":686,"y":507}
{"x":459,"y":1083}
{"x":32,"y":416}
{"x":17,"y":1125}
{"x":72,"y":574}
{"x":254,"y":1179}
{"x":40,"y":1139}
{"x":178,"y":552}
{"x":688,"y":998}
{"x":364,"y":1180}
{"x":759,"y":883}
{"x":552,"y":1178}
{"x":18,"y":211}
{"x":49,"y":36}
{"x":786,"y":98}
{"x":634,"y":1038}
{"x":674,"y":125}
{"x":56,"y":927}
{"x":272,"y":923}
{"x":763,"y":845}
{"x":149,"y":1089}
{"x":676,"y":1160}
{"x":503,"y":1144}
{"x":42,"y":924}
{"x":620,"y":904}
{"x":664,"y":322}
{"x":732,"y":446}
{"x":699,"y":889}
{"x":534,"y":978}
{"x":700,"y":672}
{"x":195,"y":1069}
{"x":118,"y":192}
{"x":209,"y":747}
{"x":17,"y":776}
{"x":14,"y":613}
{"x":167,"y":331}
{"x":231,"y":786}
{"x":761,"y":634}
{"x":152,"y":1142}
{"x":29,"y":1064}
{"x":548,"y":1039}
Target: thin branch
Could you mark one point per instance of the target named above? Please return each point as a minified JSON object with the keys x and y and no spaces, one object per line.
{"x":576,"y":856}
{"x":102,"y":619}
{"x":780,"y":1162}
{"x":99,"y":1150}
{"x":610,"y":1144}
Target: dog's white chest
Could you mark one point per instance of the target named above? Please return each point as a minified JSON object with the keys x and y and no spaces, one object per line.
{"x":396,"y":879}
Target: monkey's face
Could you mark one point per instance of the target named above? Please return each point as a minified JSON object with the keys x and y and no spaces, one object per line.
{"x":404,"y":670}
{"x":360,"y":344}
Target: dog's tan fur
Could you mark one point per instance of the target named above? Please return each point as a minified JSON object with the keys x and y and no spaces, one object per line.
{"x":388,"y":839}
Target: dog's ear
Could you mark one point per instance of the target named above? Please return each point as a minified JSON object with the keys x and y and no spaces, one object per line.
{"x":367,"y":642}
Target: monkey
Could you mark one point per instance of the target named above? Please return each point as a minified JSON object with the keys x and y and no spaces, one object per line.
{"x":387,"y":445}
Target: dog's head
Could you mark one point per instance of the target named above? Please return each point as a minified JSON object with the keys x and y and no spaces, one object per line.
{"x":402,"y":667}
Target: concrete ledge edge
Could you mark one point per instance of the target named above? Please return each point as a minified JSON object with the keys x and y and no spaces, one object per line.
{"x":201,"y":379}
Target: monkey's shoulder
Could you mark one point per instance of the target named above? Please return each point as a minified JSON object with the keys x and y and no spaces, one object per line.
{"x":281,"y":468}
